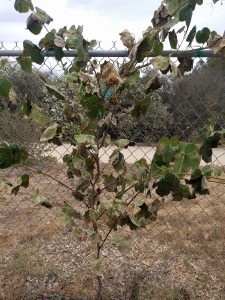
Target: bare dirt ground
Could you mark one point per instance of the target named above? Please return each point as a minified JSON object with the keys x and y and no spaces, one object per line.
{"x":181,"y":256}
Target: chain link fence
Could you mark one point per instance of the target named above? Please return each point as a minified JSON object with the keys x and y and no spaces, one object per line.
{"x":27,"y":231}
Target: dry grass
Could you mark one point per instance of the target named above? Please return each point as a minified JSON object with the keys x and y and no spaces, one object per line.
{"x":179,"y":257}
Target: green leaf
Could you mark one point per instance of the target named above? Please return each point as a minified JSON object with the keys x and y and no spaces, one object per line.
{"x":157,"y":47}
{"x":49,"y":133}
{"x":148,"y":213}
{"x":117,"y":160}
{"x":92,"y":44}
{"x":196,"y":174}
{"x":27,"y":45}
{"x":175,"y":5}
{"x":168,"y":183}
{"x":44,"y":17}
{"x":80,"y":167}
{"x":59,"y":54}
{"x":181,"y":29}
{"x":75,"y":40}
{"x":80,"y":233}
{"x":202,"y":36}
{"x":140,"y":187}
{"x":206,"y":152}
{"x":37,"y":115}
{"x":91,"y":215}
{"x":99,"y":267}
{"x":11,"y":155}
{"x":143,"y":48}
{"x":23,"y":6}
{"x":186,"y":158}
{"x":5,"y":87}
{"x":139,"y":170}
{"x":198,"y":183}
{"x":54,"y":91}
{"x":36,"y":56}
{"x":185,"y":14}
{"x":87,"y":139}
{"x":110,"y":183}
{"x":25,"y":63}
{"x":23,"y":181}
{"x":124,"y":143}
{"x":173,"y":39}
{"x":132,"y":78}
{"x":207,"y":171}
{"x":40,"y":200}
{"x":217,"y":171}
{"x":164,"y":155}
{"x":168,"y":155}
{"x":180,"y":192}
{"x":213,"y":140}
{"x":191,"y":35}
{"x":95,"y":238}
{"x":48,"y":41}
{"x":34,"y":24}
{"x":26,"y":108}
{"x":33,"y":51}
{"x":68,"y":214}
{"x":94,"y":105}
{"x":140,"y":108}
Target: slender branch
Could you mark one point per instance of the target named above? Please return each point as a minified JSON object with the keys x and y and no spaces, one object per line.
{"x":108,"y":233}
{"x":132,"y":199}
{"x":130,"y":187}
{"x":45,"y":27}
{"x":97,"y":158}
{"x":98,"y":82}
{"x":106,"y":130}
{"x":50,"y":176}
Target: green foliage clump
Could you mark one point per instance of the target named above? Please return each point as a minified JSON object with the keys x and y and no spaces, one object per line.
{"x":195,"y":98}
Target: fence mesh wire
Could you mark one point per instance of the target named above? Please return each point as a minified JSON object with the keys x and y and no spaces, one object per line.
{"x":21,"y":221}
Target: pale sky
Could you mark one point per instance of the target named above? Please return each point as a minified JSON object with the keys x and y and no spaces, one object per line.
{"x":102,"y":19}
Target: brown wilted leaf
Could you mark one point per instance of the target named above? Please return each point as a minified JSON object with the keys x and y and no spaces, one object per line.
{"x":218,"y":44}
{"x":110,"y":74}
{"x":165,"y":65}
{"x":186,"y":64}
{"x":160,"y":62}
{"x":161,"y":16}
{"x":84,"y":77}
{"x":127,"y":39}
{"x":59,"y":41}
{"x":152,"y":84}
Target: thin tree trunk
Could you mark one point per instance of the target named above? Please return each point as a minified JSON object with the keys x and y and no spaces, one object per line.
{"x":99,"y":277}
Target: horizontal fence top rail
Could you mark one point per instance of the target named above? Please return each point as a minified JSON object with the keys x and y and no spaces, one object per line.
{"x":118,"y":53}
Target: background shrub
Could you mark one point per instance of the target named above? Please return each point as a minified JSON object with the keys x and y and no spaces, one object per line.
{"x":195,"y":98}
